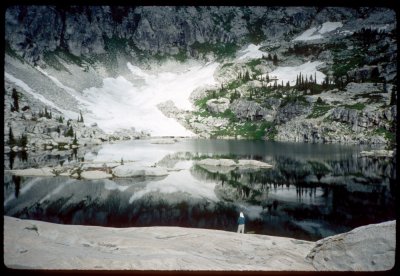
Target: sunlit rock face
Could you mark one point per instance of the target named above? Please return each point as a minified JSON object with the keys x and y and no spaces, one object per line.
{"x":134,"y":71}
{"x":371,"y":248}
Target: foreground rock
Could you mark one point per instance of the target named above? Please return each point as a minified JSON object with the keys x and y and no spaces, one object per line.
{"x":368,"y":248}
{"x":42,"y":245}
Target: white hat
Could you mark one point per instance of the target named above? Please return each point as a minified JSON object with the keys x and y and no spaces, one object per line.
{"x":241,"y":214}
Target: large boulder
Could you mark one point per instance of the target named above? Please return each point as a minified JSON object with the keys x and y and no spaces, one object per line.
{"x":368,"y":248}
{"x":217,"y":105}
{"x":95,"y":175}
{"x":249,"y":110}
{"x":135,"y":171}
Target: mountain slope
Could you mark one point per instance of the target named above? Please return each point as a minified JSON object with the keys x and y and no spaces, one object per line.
{"x":283,"y":73}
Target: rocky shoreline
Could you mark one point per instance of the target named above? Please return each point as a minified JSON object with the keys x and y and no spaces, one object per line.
{"x":30,"y":244}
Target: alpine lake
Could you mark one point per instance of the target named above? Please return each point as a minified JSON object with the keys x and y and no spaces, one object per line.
{"x":311,"y":191}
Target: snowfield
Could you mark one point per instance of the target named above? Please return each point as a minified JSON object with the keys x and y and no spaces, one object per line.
{"x":289,"y":73}
{"x":251,"y":52}
{"x":121,"y":104}
{"x":29,"y":90}
{"x":317,"y":32}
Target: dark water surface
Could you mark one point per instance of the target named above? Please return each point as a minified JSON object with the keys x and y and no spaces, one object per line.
{"x":312,"y":191}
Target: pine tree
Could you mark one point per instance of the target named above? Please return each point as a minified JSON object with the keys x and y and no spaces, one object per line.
{"x":11,"y":139}
{"x":23,"y":141}
{"x":70,"y":132}
{"x":384,"y":86}
{"x":75,"y":141}
{"x":15,"y":98}
{"x":392,"y":97}
{"x":275,"y":60}
{"x":247,"y":76}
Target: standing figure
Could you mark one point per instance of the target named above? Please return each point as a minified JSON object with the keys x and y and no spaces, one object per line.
{"x":241,"y":221}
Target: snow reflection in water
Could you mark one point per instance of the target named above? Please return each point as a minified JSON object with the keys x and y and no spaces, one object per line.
{"x":311,"y":192}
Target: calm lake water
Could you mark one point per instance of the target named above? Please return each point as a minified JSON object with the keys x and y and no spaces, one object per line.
{"x":312,"y":191}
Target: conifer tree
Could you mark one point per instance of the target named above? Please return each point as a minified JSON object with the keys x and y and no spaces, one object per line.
{"x":11,"y":139}
{"x":15,"y":98}
{"x":275,"y":60}
{"x":392,"y":97}
{"x":70,"y":132}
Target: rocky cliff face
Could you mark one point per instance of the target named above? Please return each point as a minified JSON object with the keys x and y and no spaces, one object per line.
{"x":88,"y":30}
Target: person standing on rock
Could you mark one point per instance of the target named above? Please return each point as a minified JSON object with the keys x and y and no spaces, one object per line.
{"x":241,"y":221}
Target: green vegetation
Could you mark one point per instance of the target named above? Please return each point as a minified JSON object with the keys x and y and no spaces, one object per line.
{"x":12,"y":53}
{"x":248,"y":130}
{"x":69,"y":132}
{"x":390,"y":136}
{"x":294,"y":99}
{"x":51,"y":59}
{"x":356,"y":106}
{"x":319,"y":109}
{"x":22,"y":141}
{"x":228,"y":64}
{"x":221,"y":50}
{"x":45,"y":113}
{"x":181,"y":56}
{"x":256,"y":34}
{"x":252,"y":64}
{"x":226,"y":24}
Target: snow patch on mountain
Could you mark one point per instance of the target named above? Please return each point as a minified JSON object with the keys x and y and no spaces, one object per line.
{"x":289,"y":73}
{"x":70,"y":90}
{"x":121,"y":104}
{"x":317,"y":32}
{"x":29,"y":90}
{"x":251,"y":52}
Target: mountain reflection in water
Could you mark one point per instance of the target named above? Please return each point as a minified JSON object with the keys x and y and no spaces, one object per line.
{"x":311,"y":192}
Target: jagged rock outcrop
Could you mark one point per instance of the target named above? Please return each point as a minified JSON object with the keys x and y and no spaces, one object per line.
{"x":291,"y":110}
{"x":361,"y":120}
{"x":84,"y":30}
{"x":217,"y":106}
{"x":249,"y":110}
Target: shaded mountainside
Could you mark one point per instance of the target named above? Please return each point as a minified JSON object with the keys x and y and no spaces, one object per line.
{"x":86,"y":31}
{"x":305,"y":74}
